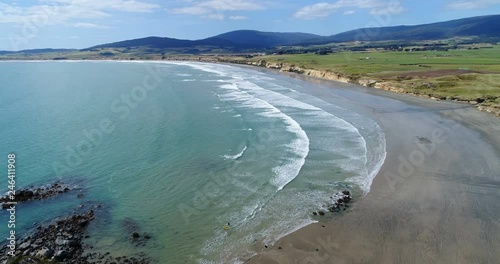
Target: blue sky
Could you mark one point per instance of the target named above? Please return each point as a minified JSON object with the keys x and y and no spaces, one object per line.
{"x":28,"y":24}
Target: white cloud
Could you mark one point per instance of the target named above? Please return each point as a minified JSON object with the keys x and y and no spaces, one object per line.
{"x":238,"y":17}
{"x":52,"y":12}
{"x":87,"y":25}
{"x":321,"y":10}
{"x":214,"y":16}
{"x":318,"y":10}
{"x":472,"y":4}
{"x":192,"y":10}
{"x":217,"y":8}
{"x":387,"y":10}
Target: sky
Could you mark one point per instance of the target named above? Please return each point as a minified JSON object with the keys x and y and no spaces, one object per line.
{"x":30,"y":24}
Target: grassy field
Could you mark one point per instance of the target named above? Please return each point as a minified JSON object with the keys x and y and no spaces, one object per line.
{"x":392,"y":62}
{"x":465,"y":75}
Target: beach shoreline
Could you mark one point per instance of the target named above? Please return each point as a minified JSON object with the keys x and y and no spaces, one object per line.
{"x":441,"y":207}
{"x":306,"y":72}
{"x":434,"y":199}
{"x":330,"y":76}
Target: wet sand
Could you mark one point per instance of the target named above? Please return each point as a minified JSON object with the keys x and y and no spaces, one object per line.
{"x":436,"y":199}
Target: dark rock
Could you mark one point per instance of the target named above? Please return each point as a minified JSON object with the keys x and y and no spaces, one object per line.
{"x":73,"y":243}
{"x":62,"y":242}
{"x":61,"y":255}
{"x":29,"y":194}
{"x":314,"y":213}
{"x":340,"y":202}
{"x":135,"y":235}
{"x":83,"y":222}
{"x":24,"y":195}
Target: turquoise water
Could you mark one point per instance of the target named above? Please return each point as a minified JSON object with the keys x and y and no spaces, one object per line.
{"x":181,"y":149}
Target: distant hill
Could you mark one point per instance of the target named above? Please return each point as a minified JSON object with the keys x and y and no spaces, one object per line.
{"x":36,"y":51}
{"x":152,"y":42}
{"x":482,"y":27}
{"x":235,"y":40}
{"x":258,"y":39}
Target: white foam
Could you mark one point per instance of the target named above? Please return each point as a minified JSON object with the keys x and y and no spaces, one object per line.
{"x":299,"y":146}
{"x":274,"y":101}
{"x":325,"y":119}
{"x":372,"y":162}
{"x":342,"y":138}
{"x":183,"y":74}
{"x":374,"y":156}
{"x":237,"y":156}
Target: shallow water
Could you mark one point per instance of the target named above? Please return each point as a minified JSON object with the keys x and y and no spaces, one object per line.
{"x":182,"y":149}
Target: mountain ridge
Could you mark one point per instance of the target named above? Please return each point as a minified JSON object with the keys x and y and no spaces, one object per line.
{"x":481,"y":26}
{"x":484,"y":27}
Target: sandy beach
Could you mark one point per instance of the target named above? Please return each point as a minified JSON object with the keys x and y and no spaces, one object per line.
{"x":435,"y":200}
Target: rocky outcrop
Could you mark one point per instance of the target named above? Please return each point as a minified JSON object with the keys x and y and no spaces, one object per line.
{"x":34,"y":193}
{"x":340,"y":202}
{"x":62,"y":242}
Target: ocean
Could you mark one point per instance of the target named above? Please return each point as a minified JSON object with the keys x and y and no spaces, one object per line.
{"x":180,"y":150}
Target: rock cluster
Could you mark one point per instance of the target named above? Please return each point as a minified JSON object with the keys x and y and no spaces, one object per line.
{"x":340,"y":202}
{"x":133,"y":228}
{"x":32,"y":193}
{"x":61,"y":242}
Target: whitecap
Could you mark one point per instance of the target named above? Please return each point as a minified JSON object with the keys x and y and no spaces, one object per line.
{"x":237,"y":156}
